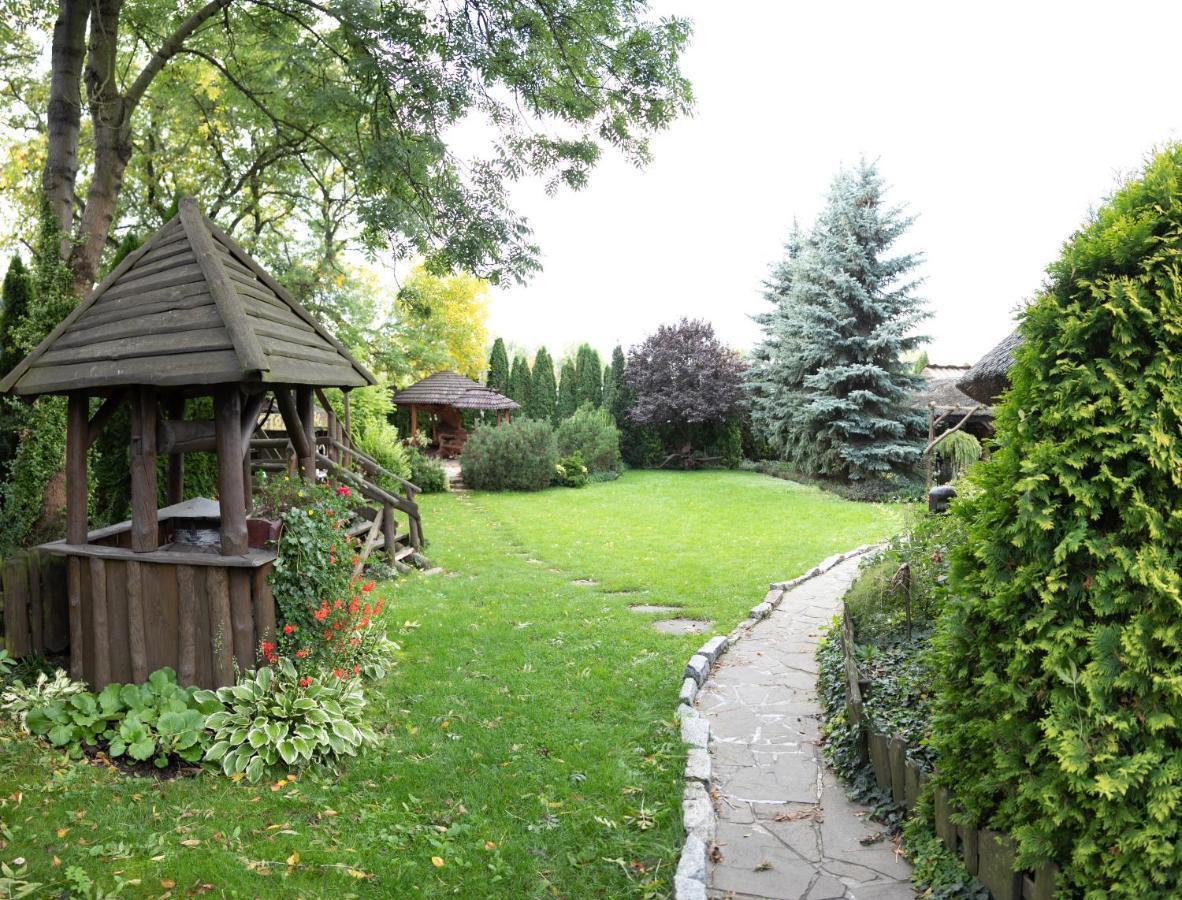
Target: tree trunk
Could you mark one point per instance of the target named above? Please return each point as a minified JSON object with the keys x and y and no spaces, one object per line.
{"x":64,"y":112}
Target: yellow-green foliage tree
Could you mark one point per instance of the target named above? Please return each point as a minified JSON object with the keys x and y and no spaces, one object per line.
{"x":442,"y":324}
{"x":1059,"y":705}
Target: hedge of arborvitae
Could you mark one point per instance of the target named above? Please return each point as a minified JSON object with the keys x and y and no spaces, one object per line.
{"x":1060,"y":701}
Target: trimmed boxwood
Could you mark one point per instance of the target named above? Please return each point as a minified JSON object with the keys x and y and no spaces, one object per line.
{"x":1060,"y":662}
{"x":517,"y":456}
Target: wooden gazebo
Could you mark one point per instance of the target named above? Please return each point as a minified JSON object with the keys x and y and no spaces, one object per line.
{"x":444,"y":394}
{"x":187,"y":314}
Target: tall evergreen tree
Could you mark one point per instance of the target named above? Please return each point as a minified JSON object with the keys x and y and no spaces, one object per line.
{"x":621,"y":399}
{"x":543,"y":396}
{"x":498,"y":368}
{"x":588,"y":377}
{"x":829,"y":387}
{"x":519,"y":382}
{"x":609,"y":388}
{"x":17,"y":293}
{"x":567,"y":399}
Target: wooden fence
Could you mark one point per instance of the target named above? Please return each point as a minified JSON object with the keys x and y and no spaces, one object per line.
{"x":987,"y":854}
{"x":36,"y":616}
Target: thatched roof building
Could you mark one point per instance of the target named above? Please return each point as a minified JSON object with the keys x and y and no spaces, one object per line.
{"x":989,"y":378}
{"x":452,"y":389}
{"x":947,"y":403}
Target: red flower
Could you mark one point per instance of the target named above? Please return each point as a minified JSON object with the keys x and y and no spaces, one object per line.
{"x":356,"y":668}
{"x":337,"y":604}
{"x":302,"y":652}
{"x":336,"y":626}
{"x":305,"y":681}
{"x":344,"y":491}
{"x":321,"y":614}
{"x":289,"y":629}
{"x":339,"y":673}
{"x":368,"y":586}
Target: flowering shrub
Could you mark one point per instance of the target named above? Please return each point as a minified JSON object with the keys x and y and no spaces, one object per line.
{"x":570,"y":471}
{"x":276,"y":716}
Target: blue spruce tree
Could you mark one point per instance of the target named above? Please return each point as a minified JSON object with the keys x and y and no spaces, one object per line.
{"x":829,"y":386}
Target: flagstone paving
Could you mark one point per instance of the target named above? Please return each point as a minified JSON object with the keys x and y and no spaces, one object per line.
{"x":785,"y":827}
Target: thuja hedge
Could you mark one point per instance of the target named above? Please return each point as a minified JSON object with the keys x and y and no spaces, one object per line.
{"x":1060,"y":687}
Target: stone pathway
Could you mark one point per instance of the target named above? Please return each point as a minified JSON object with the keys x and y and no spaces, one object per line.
{"x":785,"y":828}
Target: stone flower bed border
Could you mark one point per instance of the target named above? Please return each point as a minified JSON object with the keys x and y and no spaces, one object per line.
{"x":697,"y":806}
{"x":986,"y":854}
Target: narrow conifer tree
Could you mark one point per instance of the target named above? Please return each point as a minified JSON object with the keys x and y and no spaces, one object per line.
{"x":519,"y":383}
{"x":544,"y":390}
{"x":829,"y":386}
{"x":609,"y":388}
{"x":621,"y":400}
{"x":588,"y":377}
{"x":498,"y":368}
{"x":17,"y":293}
{"x":567,"y":401}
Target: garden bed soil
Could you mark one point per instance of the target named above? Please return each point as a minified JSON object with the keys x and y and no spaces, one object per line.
{"x":176,"y":768}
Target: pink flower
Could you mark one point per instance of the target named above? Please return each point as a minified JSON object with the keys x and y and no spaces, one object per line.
{"x":344,"y":491}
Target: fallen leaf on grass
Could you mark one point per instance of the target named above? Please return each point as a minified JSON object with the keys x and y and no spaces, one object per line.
{"x":168,"y":883}
{"x":437,"y":862}
{"x":294,"y":858}
{"x":191,"y":842}
{"x":489,"y":845}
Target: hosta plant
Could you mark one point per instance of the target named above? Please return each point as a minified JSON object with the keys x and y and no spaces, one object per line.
{"x":274,"y":718}
{"x":158,"y":721}
{"x":17,"y":699}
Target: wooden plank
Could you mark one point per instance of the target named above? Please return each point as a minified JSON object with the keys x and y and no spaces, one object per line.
{"x":185,"y":296}
{"x":264,"y":276}
{"x":911,"y":775}
{"x":227,"y":408}
{"x":186,"y":436}
{"x":371,"y":540}
{"x":221,"y":633}
{"x":285,"y":370}
{"x":10,"y":380}
{"x":36,"y":609}
{"x":260,"y":311}
{"x":74,"y":588}
{"x":997,"y":855}
{"x":246,"y":344}
{"x":161,"y":615}
{"x":251,"y":559}
{"x":189,"y":582}
{"x":137,"y":642}
{"x":879,"y":759}
{"x":145,"y":529}
{"x":273,"y":332}
{"x":942,"y":813}
{"x":306,"y":410}
{"x":55,"y":602}
{"x":967,"y":838}
{"x":177,"y":344}
{"x":1045,"y":878}
{"x":170,"y":370}
{"x":99,"y":626}
{"x":77,"y":431}
{"x":118,"y":627}
{"x":170,"y":321}
{"x":175,"y":491}
{"x":133,"y":283}
{"x":242,"y":612}
{"x":165,"y":256}
{"x":16,"y":606}
{"x":302,"y":352}
{"x":264,"y":604}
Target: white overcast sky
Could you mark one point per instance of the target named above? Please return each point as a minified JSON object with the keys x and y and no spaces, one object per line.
{"x":999,"y":125}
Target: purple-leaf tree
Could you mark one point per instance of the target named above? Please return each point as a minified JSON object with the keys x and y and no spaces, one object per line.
{"x":684,"y":378}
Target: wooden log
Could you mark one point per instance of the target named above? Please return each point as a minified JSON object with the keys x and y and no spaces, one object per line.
{"x":231,"y":491}
{"x":291,"y":421}
{"x":1043,"y":887}
{"x":942,"y":813}
{"x":99,"y":420}
{"x":967,"y":837}
{"x":880,"y":759}
{"x":145,"y":529}
{"x":17,"y":638}
{"x":911,"y":778}
{"x":221,"y":632}
{"x":243,"y":618}
{"x":371,"y":539}
{"x":137,"y":643}
{"x":307,"y":420}
{"x":77,"y":430}
{"x":175,"y":491}
{"x":188,"y":584}
{"x":897,"y":753}
{"x":180,"y":436}
{"x":100,"y":629}
{"x":264,"y":604}
{"x":996,"y":856}
{"x":347,"y":458}
{"x":74,"y":592}
{"x":391,"y":529}
{"x":55,"y":603}
{"x":36,"y":607}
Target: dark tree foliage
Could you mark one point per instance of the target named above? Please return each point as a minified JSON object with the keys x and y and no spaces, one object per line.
{"x":828,"y":384}
{"x":1059,"y":696}
{"x":683,"y":378}
{"x":519,"y":383}
{"x":543,"y":396}
{"x":498,"y":368}
{"x":17,"y":293}
{"x":567,"y":404}
{"x":609,"y":389}
{"x":588,"y":377}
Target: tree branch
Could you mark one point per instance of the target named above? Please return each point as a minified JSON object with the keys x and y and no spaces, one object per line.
{"x":171,"y":46}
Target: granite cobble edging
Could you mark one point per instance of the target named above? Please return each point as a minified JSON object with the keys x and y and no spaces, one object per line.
{"x":697,"y":807}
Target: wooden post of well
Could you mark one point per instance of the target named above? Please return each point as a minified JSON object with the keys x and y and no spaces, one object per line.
{"x":76,"y":492}
{"x":176,"y":461}
{"x":145,"y":530}
{"x":414,"y":420}
{"x":227,"y":411}
{"x":305,"y":409}
{"x":347,"y":436}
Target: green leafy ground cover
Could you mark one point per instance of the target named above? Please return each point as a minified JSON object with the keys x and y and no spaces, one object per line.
{"x":527,"y":743}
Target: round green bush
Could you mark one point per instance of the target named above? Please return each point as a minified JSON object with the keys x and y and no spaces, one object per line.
{"x":1060,"y":688}
{"x":517,"y":456}
{"x":592,"y":434}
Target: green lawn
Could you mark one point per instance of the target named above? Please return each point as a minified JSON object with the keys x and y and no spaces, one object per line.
{"x":529,"y":739}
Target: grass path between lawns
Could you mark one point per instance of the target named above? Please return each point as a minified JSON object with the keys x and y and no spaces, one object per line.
{"x":529,"y":747}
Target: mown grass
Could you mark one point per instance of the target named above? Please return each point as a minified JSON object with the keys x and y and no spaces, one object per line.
{"x":528,"y":737}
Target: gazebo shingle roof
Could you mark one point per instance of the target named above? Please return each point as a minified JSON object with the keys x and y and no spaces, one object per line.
{"x":452,"y":389}
{"x":188,"y":307}
{"x":989,"y":377}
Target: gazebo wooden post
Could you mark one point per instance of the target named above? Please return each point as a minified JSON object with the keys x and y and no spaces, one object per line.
{"x":414,"y":420}
{"x":305,"y":410}
{"x":347,"y":436}
{"x":175,"y":491}
{"x":145,"y":529}
{"x":227,"y":411}
{"x":76,"y":531}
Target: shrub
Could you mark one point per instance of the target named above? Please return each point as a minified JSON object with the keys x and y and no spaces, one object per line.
{"x":1060,"y":659}
{"x":517,"y":456}
{"x":426,"y":473}
{"x":157,"y":720}
{"x":591,"y":434}
{"x":276,"y":716}
{"x":17,"y":699}
{"x":570,"y":471}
